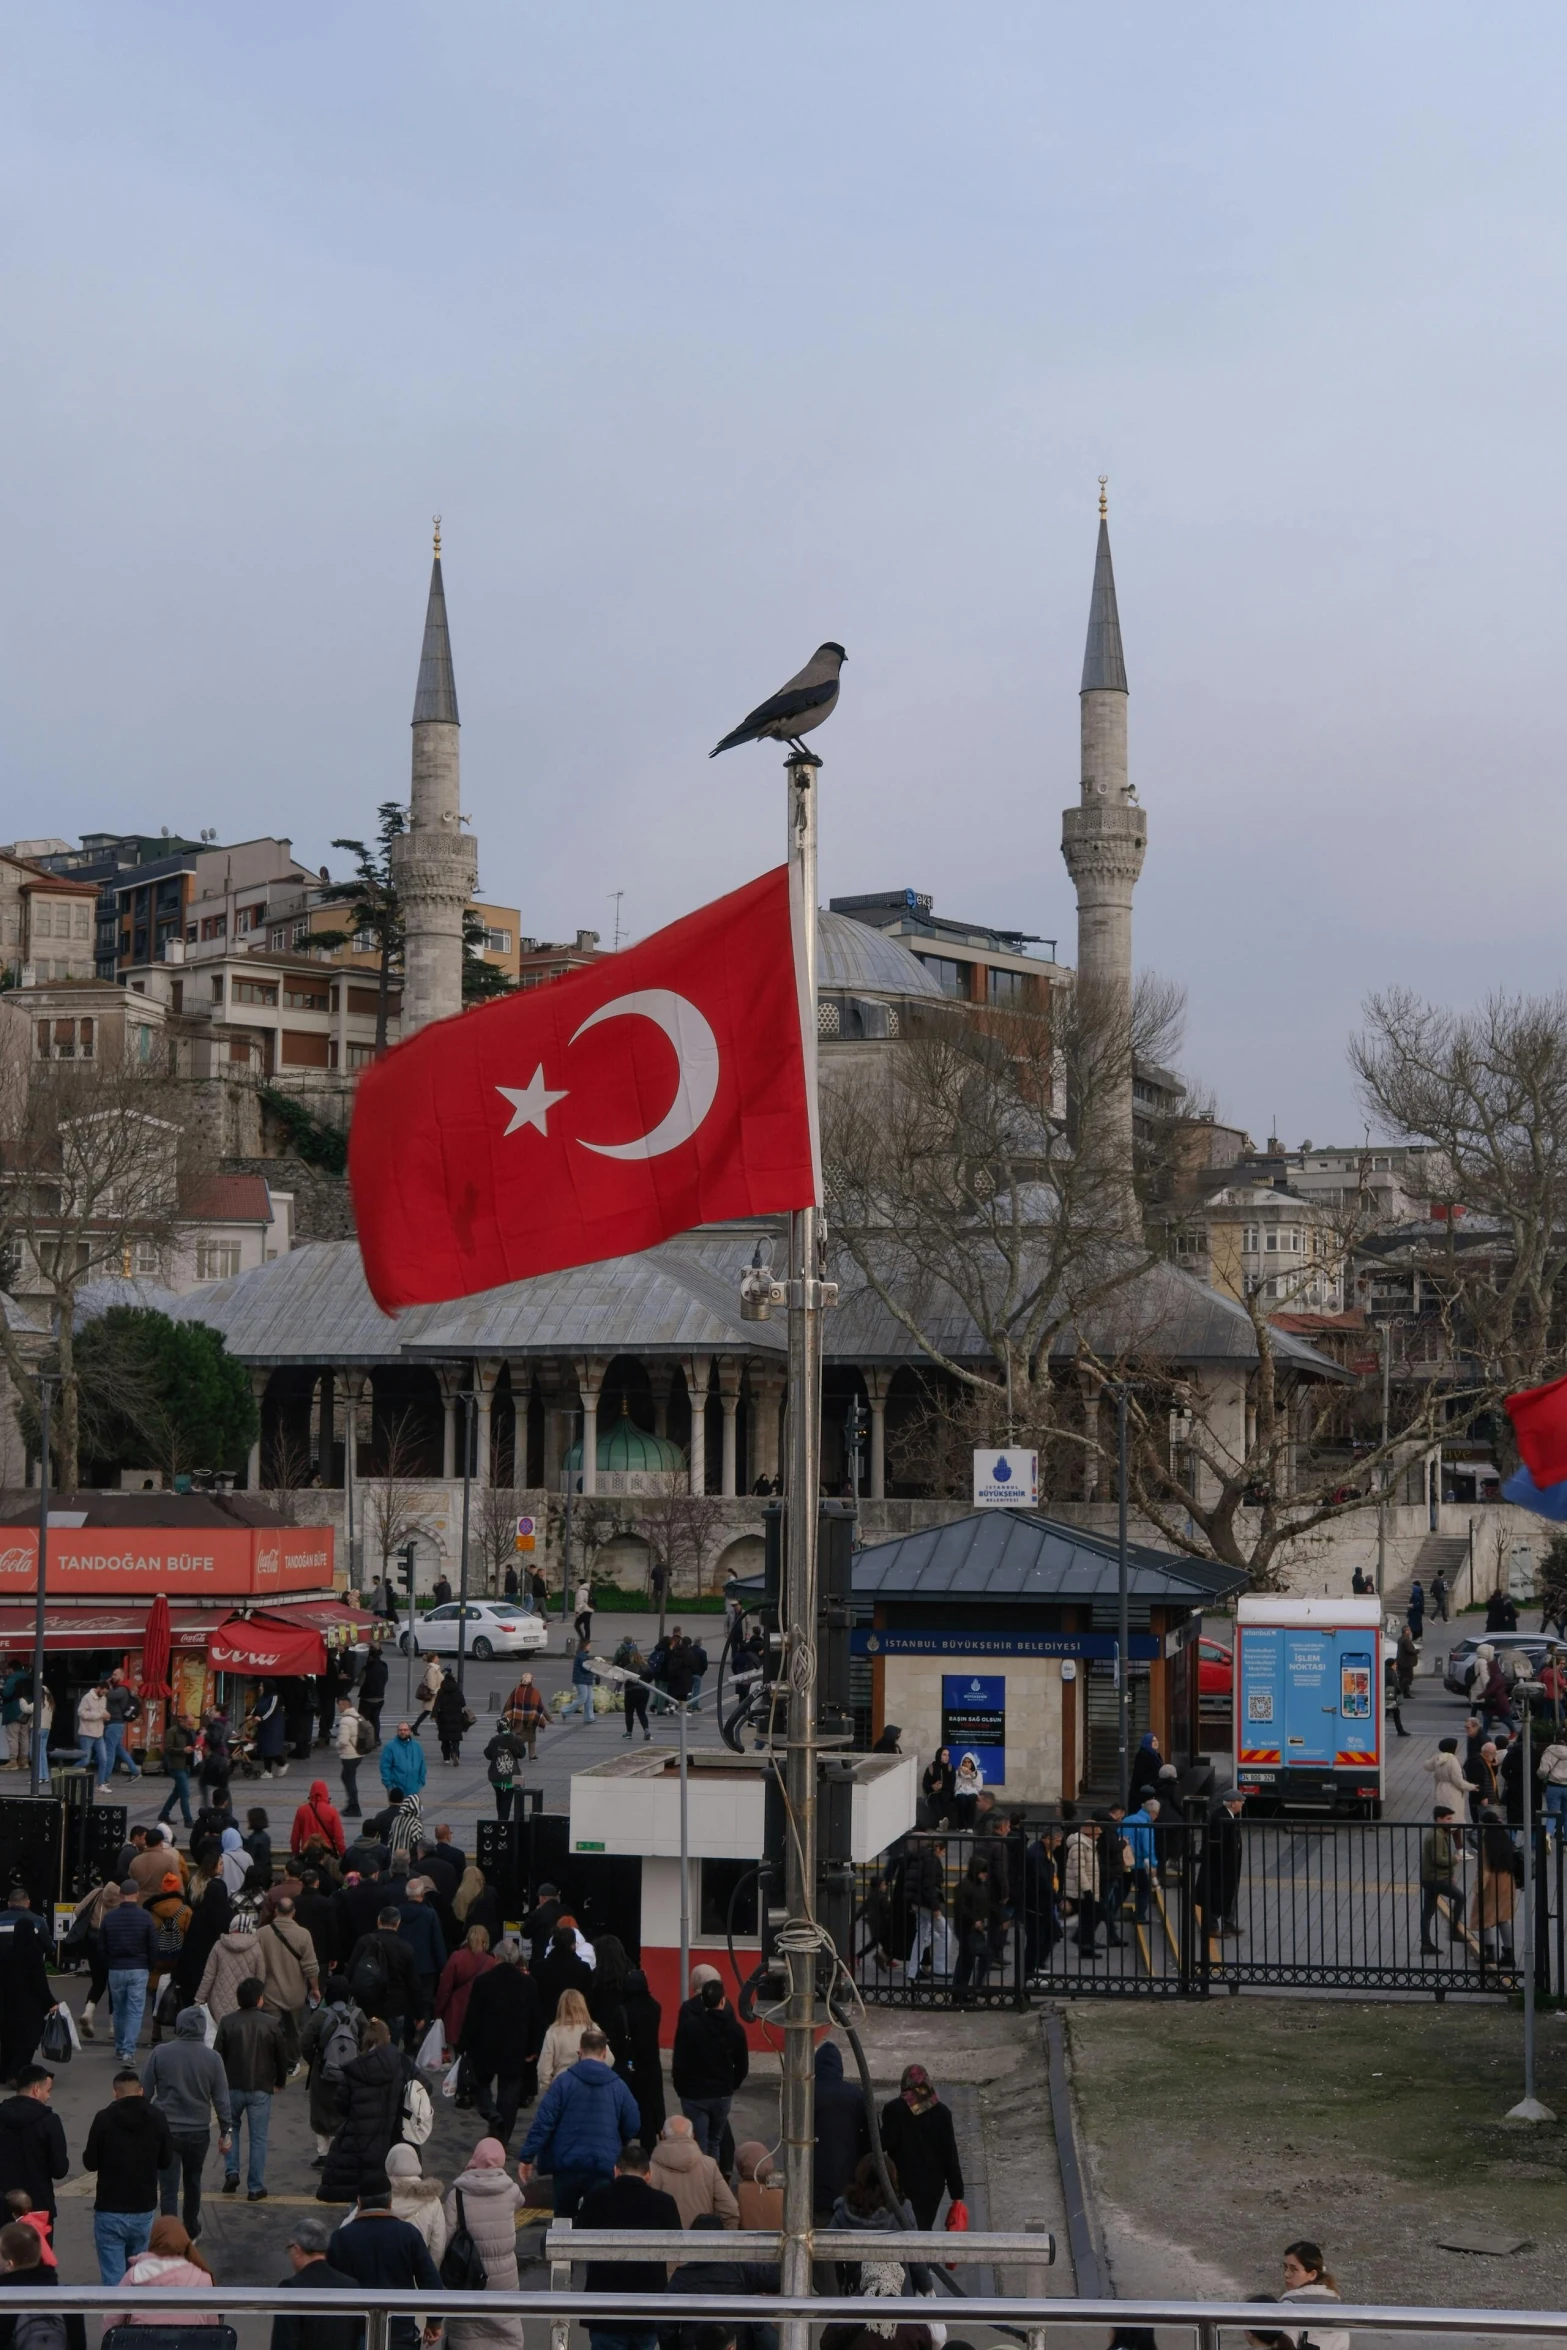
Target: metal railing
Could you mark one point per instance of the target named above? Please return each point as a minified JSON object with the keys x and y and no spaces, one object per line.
{"x":1209,"y":2321}
{"x":1303,"y":1902}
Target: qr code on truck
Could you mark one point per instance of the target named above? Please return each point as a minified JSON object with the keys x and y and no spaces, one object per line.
{"x":1260,"y":1709}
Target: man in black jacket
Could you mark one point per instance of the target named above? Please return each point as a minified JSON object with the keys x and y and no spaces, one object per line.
{"x":382,"y":1975}
{"x":626,"y":2201}
{"x":33,"y":2152}
{"x":711,"y":2059}
{"x":355,"y":1909}
{"x":127,"y":2145}
{"x":502,"y":2033}
{"x":310,"y":2268}
{"x":372,"y":1691}
{"x":731,"y":2280}
{"x":374,"y":2248}
{"x":25,"y":1996}
{"x":255,"y":2060}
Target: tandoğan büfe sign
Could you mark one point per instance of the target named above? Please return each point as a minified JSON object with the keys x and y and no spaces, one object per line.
{"x":104,"y":1560}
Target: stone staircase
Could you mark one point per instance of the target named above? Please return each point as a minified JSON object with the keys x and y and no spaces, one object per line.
{"x":1450,"y":1552}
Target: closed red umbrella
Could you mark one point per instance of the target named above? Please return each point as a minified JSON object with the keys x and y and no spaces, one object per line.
{"x":155,"y":1647}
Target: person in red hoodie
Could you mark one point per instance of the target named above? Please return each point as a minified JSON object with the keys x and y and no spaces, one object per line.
{"x":19,"y":2206}
{"x":317,"y":1816}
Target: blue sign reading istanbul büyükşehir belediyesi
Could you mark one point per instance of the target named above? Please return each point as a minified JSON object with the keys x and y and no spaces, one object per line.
{"x":875,"y":1642}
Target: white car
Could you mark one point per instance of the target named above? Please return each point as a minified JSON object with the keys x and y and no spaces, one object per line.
{"x":495,"y":1627}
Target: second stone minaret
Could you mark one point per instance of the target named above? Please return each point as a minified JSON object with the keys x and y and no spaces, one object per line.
{"x":434,"y":863}
{"x":1103,"y":840}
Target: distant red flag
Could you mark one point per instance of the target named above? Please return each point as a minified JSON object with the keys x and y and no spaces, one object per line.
{"x":660,"y":1088}
{"x":1539,"y":1418}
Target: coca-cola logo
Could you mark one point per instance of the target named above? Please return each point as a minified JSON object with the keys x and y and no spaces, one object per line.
{"x":16,"y":1562}
{"x":267,"y":1562}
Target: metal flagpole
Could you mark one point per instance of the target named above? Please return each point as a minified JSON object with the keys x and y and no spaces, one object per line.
{"x":1529,"y":2108}
{"x":462,"y":1570}
{"x":1123,"y":1643}
{"x":799,"y":1938}
{"x":47,"y":1383}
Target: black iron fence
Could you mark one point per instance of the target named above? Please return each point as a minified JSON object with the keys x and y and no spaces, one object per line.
{"x":1386,"y":1905}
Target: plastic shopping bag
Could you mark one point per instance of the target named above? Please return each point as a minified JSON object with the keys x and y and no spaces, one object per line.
{"x":432,"y":2048}
{"x":70,"y":2025}
{"x":453,"y":2075}
{"x":209,"y":2022}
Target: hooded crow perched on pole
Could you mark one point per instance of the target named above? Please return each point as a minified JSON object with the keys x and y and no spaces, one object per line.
{"x":803,"y":703}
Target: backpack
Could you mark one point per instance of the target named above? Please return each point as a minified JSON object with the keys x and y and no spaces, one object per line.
{"x":462,"y":2263}
{"x":364,"y":1736}
{"x":369,"y":1975}
{"x":340,"y":2046}
{"x":418,"y":2114}
{"x":171,"y":1933}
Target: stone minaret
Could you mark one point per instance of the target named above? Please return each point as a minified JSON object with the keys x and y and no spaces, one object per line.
{"x":434,"y":863}
{"x":1103,"y":840}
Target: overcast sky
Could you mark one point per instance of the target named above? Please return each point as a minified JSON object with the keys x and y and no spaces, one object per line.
{"x":714,"y":331}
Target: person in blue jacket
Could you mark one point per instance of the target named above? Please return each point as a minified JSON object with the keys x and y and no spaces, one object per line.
{"x":1137,"y":1832}
{"x":585,"y":2117}
{"x":402,"y":1763}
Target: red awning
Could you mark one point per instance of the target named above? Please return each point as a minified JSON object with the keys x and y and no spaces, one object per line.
{"x":122,"y":1628}
{"x":266,"y":1645}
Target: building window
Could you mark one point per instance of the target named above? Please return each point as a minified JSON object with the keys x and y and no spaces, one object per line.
{"x":43,"y":920}
{"x":1248,"y":1240}
{"x":301,"y":931}
{"x":307,"y":999}
{"x":498,"y":942}
{"x":246,"y":918}
{"x":1191,"y":1244}
{"x":1008,"y":987}
{"x":719,"y":1881}
{"x":950,"y":977}
{"x":146,"y":1258}
{"x":254,"y":991}
{"x":217,"y":988}
{"x":277,"y":938}
{"x":364,"y":942}
{"x":79,"y":916}
{"x":214,"y":926}
{"x":217,"y":1260}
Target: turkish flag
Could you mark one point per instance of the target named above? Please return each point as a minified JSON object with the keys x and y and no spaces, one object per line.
{"x":663,"y":1087}
{"x":1539,"y":1418}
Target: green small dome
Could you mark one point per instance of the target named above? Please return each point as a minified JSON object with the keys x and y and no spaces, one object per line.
{"x":624,"y":1446}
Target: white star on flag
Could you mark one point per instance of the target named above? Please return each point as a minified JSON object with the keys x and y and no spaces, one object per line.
{"x":531,"y":1103}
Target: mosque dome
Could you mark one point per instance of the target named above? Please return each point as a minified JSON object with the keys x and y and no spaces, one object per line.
{"x":853,"y":959}
{"x":624,"y":1447}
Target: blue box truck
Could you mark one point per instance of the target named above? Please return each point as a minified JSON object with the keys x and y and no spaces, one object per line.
{"x":1308,"y":1704}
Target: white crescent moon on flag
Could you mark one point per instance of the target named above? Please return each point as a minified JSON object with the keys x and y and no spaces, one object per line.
{"x":696,"y":1049}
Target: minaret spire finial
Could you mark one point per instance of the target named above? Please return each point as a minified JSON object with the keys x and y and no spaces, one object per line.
{"x":1104,"y":505}
{"x":435,"y":518}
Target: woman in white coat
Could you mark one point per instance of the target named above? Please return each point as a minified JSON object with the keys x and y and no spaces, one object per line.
{"x":486,"y":2201}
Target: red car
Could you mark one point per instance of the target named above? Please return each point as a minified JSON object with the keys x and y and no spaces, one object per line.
{"x":1215,"y":1670}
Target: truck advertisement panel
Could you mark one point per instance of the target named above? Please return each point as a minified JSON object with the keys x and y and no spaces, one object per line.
{"x":1308,"y":1704}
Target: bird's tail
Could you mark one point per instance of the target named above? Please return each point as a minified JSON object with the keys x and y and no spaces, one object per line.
{"x":741,"y":734}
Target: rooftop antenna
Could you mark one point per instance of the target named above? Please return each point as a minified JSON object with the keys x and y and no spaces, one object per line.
{"x":617,"y":895}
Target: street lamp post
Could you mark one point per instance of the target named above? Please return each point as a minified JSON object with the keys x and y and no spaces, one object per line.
{"x":462,"y":1565}
{"x":1529,"y":2107}
{"x":48,"y":1381}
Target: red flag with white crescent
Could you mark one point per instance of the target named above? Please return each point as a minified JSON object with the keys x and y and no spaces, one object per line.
{"x":670,"y":1085}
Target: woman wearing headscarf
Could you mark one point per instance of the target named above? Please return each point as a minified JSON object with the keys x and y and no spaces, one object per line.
{"x":966,"y":1788}
{"x":918,"y":2137}
{"x":417,"y":2199}
{"x":458,"y":1977}
{"x":1147,"y":1763}
{"x":642,"y":2069}
{"x":759,"y":2186}
{"x":938,"y":1785}
{"x":211,"y":1909}
{"x":449,"y":1710}
{"x":170,"y":2260}
{"x":607,"y":1993}
{"x":233,"y":1863}
{"x":1498,"y":1887}
{"x":486,"y":2200}
{"x":230,"y":1961}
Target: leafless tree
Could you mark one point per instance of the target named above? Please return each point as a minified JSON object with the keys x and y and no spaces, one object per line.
{"x":92,"y":1160}
{"x":395,"y":1498}
{"x":1486,"y":1093}
{"x":683,"y":1531}
{"x":287,"y":1466}
{"x":495,"y":1511}
{"x":974,"y":1181}
{"x":1243,"y":1464}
